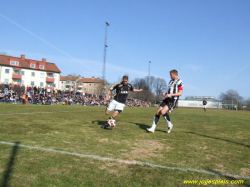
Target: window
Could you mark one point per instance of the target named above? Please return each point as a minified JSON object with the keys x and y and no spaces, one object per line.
{"x":89,"y":84}
{"x":50,"y":84}
{"x":21,"y":72}
{"x":32,"y":83}
{"x":7,"y":70}
{"x":85,"y":84}
{"x":6,"y":80}
{"x":15,"y":63}
{"x":50,"y":75}
{"x":33,"y":66}
{"x":42,"y":75}
{"x":18,"y":81}
{"x":41,"y":66}
{"x":33,"y":74}
{"x":89,"y":89}
{"x":94,"y":84}
{"x":41,"y":83}
{"x":85,"y":89}
{"x":67,"y":82}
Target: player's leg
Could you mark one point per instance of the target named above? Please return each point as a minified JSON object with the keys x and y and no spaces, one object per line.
{"x":110,"y":108}
{"x":107,"y":112}
{"x":118,"y":109}
{"x":155,"y":120}
{"x":167,"y":118}
{"x":165,"y":112}
{"x":116,"y":112}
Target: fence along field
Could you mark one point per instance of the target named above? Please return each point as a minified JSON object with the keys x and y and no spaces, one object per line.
{"x":65,"y":146}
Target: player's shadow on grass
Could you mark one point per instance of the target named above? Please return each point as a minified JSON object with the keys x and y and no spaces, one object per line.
{"x":219,"y":139}
{"x":228,"y":177}
{"x":10,"y":166}
{"x":100,"y":123}
{"x":144,"y":127}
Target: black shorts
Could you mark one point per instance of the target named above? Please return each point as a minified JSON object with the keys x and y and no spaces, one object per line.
{"x":171,"y":103}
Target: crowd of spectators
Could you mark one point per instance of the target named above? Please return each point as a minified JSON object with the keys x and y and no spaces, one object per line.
{"x":40,"y":95}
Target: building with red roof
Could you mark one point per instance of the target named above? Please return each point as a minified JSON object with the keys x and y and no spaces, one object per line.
{"x":28,"y":72}
{"x":84,"y":85}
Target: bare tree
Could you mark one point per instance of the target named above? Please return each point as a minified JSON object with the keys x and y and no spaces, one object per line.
{"x":160,"y":86}
{"x":139,"y":83}
{"x":150,"y":80}
{"x":232,"y":98}
{"x":146,"y":94}
{"x":231,"y":95}
{"x":248,"y":104}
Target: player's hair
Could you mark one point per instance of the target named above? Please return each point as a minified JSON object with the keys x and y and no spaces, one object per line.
{"x":174,"y":71}
{"x":125,"y":77}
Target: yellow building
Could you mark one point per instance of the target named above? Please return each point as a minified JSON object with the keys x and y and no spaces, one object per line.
{"x":84,"y":85}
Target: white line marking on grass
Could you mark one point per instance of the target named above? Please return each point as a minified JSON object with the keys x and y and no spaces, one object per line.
{"x":128,"y":162}
{"x":34,"y":113}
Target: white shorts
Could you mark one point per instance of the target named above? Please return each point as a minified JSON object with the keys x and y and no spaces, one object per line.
{"x":114,"y":105}
{"x":204,"y":106}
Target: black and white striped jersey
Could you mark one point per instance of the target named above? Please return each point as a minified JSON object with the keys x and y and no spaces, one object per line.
{"x":174,"y":86}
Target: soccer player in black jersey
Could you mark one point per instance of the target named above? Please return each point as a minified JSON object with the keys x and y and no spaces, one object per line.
{"x":204,"y":102}
{"x":168,"y":104}
{"x":118,"y":103}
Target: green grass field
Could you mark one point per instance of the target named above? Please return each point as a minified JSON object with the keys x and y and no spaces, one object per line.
{"x":62,"y":145}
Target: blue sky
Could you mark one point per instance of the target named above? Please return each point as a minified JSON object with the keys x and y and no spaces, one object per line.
{"x":207,"y":41}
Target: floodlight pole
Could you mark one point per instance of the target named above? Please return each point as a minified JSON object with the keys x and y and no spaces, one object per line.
{"x":104,"y":57}
{"x":149,"y":62}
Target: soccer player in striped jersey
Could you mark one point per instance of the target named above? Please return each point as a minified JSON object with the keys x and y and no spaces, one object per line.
{"x":118,"y":103}
{"x":175,"y":89}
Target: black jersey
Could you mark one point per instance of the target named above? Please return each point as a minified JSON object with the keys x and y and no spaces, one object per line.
{"x":122,"y":91}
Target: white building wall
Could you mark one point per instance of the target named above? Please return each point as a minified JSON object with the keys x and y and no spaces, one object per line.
{"x":198,"y":104}
{"x":1,"y":74}
{"x":5,"y":76}
{"x":40,"y":76}
{"x":57,"y":80}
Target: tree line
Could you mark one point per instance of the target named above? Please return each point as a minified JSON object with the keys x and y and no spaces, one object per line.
{"x":154,"y":87}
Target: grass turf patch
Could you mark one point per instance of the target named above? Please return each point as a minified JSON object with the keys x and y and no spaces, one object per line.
{"x":216,"y":141}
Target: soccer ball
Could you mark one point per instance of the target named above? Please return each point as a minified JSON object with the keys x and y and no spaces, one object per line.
{"x":112,"y":123}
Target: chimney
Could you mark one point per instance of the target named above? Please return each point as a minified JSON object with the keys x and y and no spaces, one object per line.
{"x":44,"y":60}
{"x":93,"y":77}
{"x":22,"y":57}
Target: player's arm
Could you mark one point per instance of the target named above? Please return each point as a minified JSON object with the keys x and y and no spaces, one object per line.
{"x":110,"y":90}
{"x":136,"y":90}
{"x":107,"y":96}
{"x":179,"y":93}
